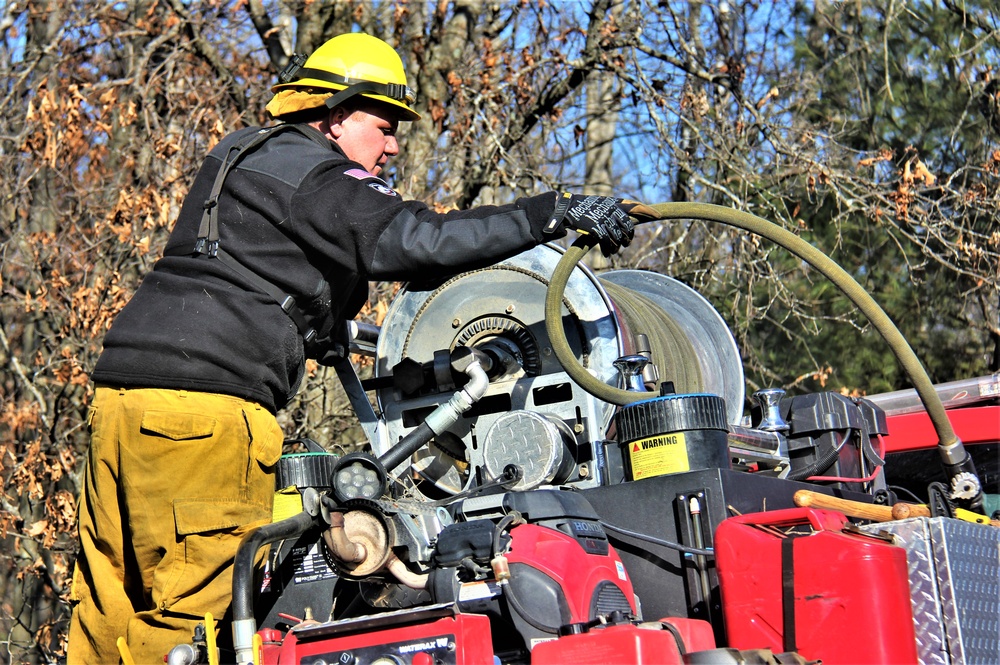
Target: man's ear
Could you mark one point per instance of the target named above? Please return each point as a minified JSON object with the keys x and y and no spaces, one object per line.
{"x":335,"y":120}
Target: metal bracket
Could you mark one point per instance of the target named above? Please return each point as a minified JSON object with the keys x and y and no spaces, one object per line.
{"x":374,"y":428}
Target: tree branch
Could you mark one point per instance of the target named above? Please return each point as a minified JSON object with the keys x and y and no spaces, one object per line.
{"x":28,"y":384}
{"x":270,"y":34}
{"x":546,"y":103}
{"x":959,"y":9}
{"x":210,"y":55}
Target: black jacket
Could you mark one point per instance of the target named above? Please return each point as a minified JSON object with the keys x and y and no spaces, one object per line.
{"x":299,"y":214}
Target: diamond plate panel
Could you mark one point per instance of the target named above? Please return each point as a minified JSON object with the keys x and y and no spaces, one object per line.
{"x":954,"y":569}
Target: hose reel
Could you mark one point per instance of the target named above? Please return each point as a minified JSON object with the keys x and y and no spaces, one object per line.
{"x":689,"y":341}
{"x":502,"y":308}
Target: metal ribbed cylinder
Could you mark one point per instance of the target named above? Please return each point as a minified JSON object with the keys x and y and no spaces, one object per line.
{"x":305,"y":470}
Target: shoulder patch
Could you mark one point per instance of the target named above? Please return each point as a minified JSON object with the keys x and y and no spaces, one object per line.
{"x":383,"y":189}
{"x":360,"y":174}
{"x":378,"y":185}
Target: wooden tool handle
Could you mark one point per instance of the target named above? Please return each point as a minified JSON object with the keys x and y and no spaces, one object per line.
{"x":867,"y":511}
{"x":902,"y":511}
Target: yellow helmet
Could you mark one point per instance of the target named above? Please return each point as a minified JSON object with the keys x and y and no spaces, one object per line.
{"x":352,"y":64}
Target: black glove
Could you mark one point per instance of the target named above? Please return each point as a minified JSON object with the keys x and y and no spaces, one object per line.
{"x":604,"y":217}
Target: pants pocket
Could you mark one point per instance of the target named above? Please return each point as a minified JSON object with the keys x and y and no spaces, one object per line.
{"x":266,"y":437}
{"x":194,"y":487}
{"x":177,"y":426}
{"x":208,"y":534}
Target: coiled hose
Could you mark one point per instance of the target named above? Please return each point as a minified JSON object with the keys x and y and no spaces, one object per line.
{"x":953,"y":454}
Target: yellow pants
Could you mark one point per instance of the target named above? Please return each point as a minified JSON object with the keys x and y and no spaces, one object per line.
{"x":173,"y":481}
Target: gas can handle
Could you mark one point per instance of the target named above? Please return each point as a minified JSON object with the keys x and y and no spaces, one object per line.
{"x":820,"y":520}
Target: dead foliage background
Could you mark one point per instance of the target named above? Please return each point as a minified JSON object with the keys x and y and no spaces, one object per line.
{"x":869,"y":128}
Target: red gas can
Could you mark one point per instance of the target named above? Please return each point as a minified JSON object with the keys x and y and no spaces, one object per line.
{"x":825,"y":592}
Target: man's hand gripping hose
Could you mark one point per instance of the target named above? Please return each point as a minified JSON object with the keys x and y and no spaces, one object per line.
{"x":607,"y":220}
{"x":956,"y":461}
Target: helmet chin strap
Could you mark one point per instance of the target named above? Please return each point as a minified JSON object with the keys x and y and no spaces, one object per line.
{"x":395,"y":91}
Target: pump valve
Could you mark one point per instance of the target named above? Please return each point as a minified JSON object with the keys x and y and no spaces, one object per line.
{"x":630,"y":372}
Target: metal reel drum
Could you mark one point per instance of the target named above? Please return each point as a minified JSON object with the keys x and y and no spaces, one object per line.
{"x":504,"y":305}
{"x":501,"y":304}
{"x":500,"y":301}
{"x":703,"y":342}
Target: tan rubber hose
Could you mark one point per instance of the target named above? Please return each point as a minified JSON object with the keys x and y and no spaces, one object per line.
{"x":742,"y":220}
{"x":677,"y":358}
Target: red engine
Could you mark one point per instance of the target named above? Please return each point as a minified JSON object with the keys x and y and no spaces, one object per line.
{"x":552,"y":584}
{"x":417,"y":637}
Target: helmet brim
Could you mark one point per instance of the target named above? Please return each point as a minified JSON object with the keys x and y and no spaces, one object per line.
{"x":404,"y":112}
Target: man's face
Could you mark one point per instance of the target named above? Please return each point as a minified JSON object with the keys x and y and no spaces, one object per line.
{"x":367,"y":136}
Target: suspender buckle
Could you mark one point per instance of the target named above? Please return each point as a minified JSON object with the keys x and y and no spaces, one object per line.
{"x":207,"y":247}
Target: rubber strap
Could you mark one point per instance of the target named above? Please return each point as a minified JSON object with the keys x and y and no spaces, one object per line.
{"x":788,"y":594}
{"x":358,"y":89}
{"x":673,"y":630}
{"x":285,"y":301}
{"x":397,"y":91}
{"x":208,"y":231}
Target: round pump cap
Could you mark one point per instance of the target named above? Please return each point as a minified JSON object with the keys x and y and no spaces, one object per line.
{"x":671,"y":413}
{"x":674,"y":434}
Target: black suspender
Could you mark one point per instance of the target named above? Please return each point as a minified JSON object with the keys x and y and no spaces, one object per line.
{"x":208,"y":232}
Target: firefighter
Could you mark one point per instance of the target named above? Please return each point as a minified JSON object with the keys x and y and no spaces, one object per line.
{"x":272,"y":251}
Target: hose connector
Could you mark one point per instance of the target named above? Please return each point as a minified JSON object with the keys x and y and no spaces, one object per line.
{"x":964,"y":485}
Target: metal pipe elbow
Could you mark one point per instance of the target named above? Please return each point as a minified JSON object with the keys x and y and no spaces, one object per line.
{"x":405,"y":575}
{"x":341,"y":546}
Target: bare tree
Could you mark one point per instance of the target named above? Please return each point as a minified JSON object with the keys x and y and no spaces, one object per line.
{"x":809,"y":116}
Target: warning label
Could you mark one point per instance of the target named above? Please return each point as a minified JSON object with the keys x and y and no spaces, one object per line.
{"x":478,"y":591}
{"x":658,"y":455}
{"x":310,"y":565}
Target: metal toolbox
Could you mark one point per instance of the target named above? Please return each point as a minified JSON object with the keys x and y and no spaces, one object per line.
{"x":954,"y":571}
